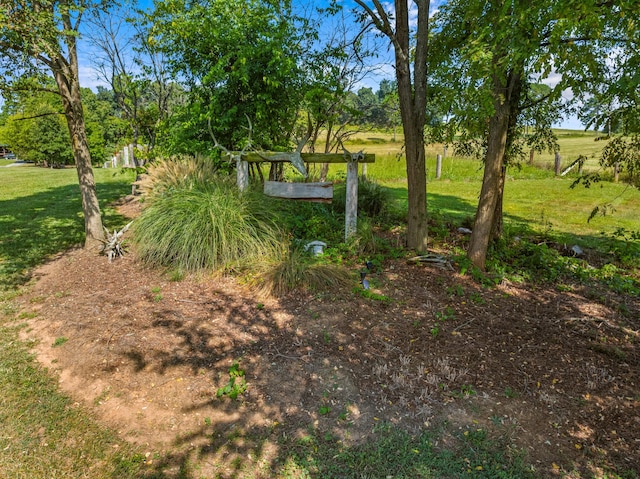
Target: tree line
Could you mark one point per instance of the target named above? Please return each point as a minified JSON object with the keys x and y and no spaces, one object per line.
{"x":473,"y":74}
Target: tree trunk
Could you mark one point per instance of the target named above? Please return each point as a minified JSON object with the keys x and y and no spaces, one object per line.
{"x":324,"y":169}
{"x":491,"y":181}
{"x":412,"y":97}
{"x":69,"y":86}
{"x":416,"y":189}
{"x":497,"y":228}
{"x":515,"y":89}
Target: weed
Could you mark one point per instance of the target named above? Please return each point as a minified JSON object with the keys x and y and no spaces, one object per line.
{"x":466,"y":390}
{"x":434,"y":331}
{"x":456,"y":290}
{"x":157,"y":295}
{"x":477,"y":298}
{"x":510,"y":393}
{"x":59,"y":341}
{"x":447,"y":314}
{"x":236,"y":385}
{"x":324,"y":410}
{"x":176,"y":275}
{"x":497,"y":420}
{"x":102,"y":397}
{"x":366,"y":293}
{"x":326,"y":336}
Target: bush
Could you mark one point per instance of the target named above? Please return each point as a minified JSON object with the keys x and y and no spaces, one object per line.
{"x":206,"y":226}
{"x":373,"y":199}
{"x":308,"y":221}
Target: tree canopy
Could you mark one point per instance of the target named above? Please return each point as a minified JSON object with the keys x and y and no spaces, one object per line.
{"x":495,"y":52}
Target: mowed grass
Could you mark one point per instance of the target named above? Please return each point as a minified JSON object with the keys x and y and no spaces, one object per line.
{"x":43,"y":434}
{"x":533,"y":194}
{"x":41,"y":214}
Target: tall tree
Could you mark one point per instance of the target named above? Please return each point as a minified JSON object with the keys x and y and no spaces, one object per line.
{"x":112,"y":39}
{"x":333,"y":69}
{"x":35,"y":128}
{"x":240,"y":58}
{"x":499,"y":48}
{"x":411,"y":49}
{"x":43,"y":34}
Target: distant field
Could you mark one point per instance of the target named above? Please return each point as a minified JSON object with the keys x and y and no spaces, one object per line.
{"x":533,"y":194}
{"x":573,"y":143}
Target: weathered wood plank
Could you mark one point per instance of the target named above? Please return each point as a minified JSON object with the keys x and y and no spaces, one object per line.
{"x":307,"y":191}
{"x":351,"y":211}
{"x":257,"y":157}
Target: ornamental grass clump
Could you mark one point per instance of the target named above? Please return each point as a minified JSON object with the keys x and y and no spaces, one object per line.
{"x":299,"y":270}
{"x":182,"y":171}
{"x":206,"y":226}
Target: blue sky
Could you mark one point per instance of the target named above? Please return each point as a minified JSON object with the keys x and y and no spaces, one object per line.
{"x":384,"y":64}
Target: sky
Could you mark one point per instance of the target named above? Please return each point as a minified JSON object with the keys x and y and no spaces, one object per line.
{"x":384,"y":67}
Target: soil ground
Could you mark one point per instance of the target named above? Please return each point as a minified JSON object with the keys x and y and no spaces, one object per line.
{"x":554,"y":373}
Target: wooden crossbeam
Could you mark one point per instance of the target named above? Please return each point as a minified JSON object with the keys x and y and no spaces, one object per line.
{"x":258,"y":157}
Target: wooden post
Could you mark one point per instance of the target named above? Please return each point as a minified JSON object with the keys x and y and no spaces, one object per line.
{"x":364,"y":171}
{"x":558,"y":162}
{"x":351,"y":211}
{"x":242,"y":168}
{"x":616,"y":172}
{"x":438,"y":166}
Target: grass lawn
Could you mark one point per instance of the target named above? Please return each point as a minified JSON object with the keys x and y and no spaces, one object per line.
{"x":41,"y":214}
{"x":44,"y":435}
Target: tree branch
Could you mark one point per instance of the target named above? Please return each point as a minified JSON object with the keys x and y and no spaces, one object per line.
{"x":38,"y":116}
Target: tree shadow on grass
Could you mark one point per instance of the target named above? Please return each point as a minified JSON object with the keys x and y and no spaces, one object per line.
{"x":36,"y":226}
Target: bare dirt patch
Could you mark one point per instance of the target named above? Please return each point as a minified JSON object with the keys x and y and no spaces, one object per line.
{"x":554,"y":373}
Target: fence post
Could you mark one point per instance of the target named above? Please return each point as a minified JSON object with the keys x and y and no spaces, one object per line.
{"x":351,"y":210}
{"x":438,"y":166}
{"x":558,"y":161}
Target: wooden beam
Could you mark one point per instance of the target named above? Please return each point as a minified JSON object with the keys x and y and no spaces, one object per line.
{"x":268,"y":156}
{"x":299,"y":191}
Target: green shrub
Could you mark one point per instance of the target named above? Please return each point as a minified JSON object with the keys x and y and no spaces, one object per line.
{"x":308,"y":221}
{"x":373,"y":199}
{"x":207,"y":226}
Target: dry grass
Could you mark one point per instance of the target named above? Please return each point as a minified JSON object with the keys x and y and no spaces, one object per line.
{"x":299,"y":271}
